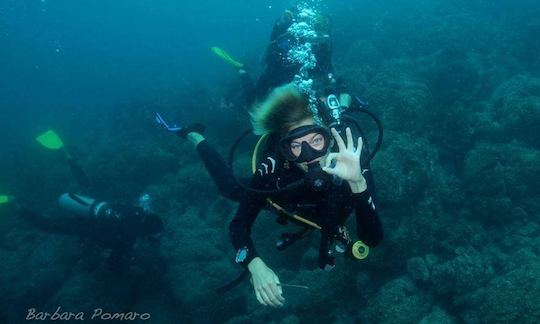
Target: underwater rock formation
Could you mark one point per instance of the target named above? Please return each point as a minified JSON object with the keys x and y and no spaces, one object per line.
{"x":398,"y":301}
{"x":498,"y":182}
{"x":513,"y":111}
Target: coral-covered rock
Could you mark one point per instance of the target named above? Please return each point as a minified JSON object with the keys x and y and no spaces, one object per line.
{"x":514,"y":111}
{"x":404,"y":169}
{"x":122,"y":171}
{"x":358,"y":65}
{"x":500,"y":178}
{"x":469,"y":270}
{"x":439,"y":316}
{"x":452,"y":77}
{"x":398,"y":301}
{"x":511,"y":298}
{"x":33,"y":270}
{"x":418,"y":269}
{"x":399,"y":97}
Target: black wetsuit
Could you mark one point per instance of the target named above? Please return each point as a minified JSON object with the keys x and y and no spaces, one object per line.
{"x":117,"y":233}
{"x":329,"y":209}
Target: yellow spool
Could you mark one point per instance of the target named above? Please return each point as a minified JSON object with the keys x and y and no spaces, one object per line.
{"x":359,"y":250}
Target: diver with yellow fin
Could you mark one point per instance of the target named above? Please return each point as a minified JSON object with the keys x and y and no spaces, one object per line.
{"x":109,"y":226}
{"x":51,"y":141}
{"x":280,"y":62}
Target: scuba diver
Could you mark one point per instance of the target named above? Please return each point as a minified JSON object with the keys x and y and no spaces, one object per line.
{"x":300,"y":34}
{"x":298,"y":176}
{"x":95,"y":221}
{"x":296,"y":171}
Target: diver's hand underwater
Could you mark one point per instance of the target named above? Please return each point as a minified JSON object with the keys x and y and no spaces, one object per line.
{"x":347,"y":161}
{"x":266,"y":284}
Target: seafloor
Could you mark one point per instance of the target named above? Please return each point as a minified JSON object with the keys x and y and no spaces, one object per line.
{"x":458,"y":182}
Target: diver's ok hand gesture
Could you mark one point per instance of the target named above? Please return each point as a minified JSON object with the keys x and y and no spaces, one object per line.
{"x":347,"y":161}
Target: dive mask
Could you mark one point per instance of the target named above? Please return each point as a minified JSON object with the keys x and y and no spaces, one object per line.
{"x":309,"y":149}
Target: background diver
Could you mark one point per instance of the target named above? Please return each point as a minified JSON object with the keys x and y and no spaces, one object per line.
{"x":279,"y":67}
{"x":95,"y":221}
{"x":296,"y":174}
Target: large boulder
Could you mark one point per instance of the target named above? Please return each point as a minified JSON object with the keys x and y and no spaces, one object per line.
{"x":398,"y":301}
{"x":511,"y":298}
{"x":468,"y":270}
{"x":501,"y":182}
{"x":513,"y":111}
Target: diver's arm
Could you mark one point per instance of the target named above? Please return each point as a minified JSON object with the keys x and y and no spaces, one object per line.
{"x":240,"y":227}
{"x":358,"y":186}
{"x":251,"y":204}
{"x":368,"y":225}
{"x":347,"y":167}
{"x":265,"y":282}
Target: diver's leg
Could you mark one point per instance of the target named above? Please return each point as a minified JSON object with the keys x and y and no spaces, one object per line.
{"x":248,"y":87}
{"x":56,"y":225}
{"x":216,"y":166}
{"x":80,"y":176}
{"x":263,"y":85}
{"x":219,"y":170}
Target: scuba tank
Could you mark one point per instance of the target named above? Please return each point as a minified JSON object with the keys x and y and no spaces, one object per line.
{"x":86,"y":207}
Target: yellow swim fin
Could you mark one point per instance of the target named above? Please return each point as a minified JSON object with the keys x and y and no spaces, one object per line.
{"x":50,"y":140}
{"x":5,"y":199}
{"x":224,"y":55}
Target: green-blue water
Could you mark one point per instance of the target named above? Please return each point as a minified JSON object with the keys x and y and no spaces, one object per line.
{"x":455,"y":83}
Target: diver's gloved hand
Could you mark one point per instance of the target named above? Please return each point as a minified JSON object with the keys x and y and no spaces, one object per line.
{"x":266,"y":283}
{"x":347,"y":161}
{"x":178,"y":130}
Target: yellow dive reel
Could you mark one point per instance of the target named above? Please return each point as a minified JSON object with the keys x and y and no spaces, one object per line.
{"x":360,"y":250}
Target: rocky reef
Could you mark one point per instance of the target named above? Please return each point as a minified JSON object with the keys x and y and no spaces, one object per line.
{"x":457,"y":87}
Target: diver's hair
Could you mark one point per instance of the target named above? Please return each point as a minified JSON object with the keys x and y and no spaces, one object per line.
{"x":284,"y":107}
